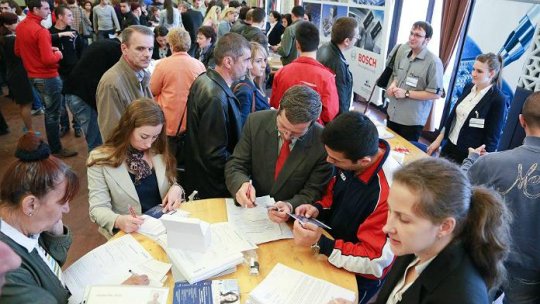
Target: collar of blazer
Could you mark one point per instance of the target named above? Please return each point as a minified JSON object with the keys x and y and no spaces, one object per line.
{"x":121,"y":176}
{"x":441,"y":267}
{"x":296,"y":157}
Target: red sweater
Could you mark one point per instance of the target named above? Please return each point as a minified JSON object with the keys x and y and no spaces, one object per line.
{"x":34,"y":46}
{"x":308,"y":71}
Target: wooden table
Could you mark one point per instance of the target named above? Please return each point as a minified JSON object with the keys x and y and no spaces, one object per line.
{"x":398,"y":141}
{"x":269,"y":254}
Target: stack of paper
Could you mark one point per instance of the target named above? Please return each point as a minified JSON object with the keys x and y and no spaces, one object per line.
{"x":284,"y":285}
{"x":254,"y":224}
{"x":110,"y":264}
{"x":225,"y":252}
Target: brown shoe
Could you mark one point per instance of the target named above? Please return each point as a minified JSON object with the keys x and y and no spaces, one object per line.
{"x":65,"y":153}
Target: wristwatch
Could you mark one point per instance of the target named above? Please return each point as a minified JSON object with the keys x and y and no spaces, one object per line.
{"x":315,"y":248}
{"x":407,"y":94}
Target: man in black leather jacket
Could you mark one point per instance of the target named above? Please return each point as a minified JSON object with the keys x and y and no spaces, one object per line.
{"x":213,"y":118}
{"x":344,"y":36}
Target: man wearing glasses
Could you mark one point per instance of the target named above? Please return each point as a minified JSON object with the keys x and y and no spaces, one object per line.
{"x":280,"y":153}
{"x":417,"y":80}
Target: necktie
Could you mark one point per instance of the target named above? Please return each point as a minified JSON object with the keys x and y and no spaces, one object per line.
{"x":283,"y":154}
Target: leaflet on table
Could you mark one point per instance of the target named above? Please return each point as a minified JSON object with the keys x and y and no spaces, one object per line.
{"x":284,"y":285}
{"x":207,"y":292}
{"x":254,"y":222}
{"x":383,"y":133}
{"x":187,"y":233}
{"x":125,"y":294}
{"x":107,"y":264}
{"x":225,"y":252}
{"x":152,"y":226}
{"x":157,"y":212}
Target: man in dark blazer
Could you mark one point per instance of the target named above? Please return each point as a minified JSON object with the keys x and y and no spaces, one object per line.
{"x":254,"y":168}
{"x":192,"y":21}
{"x":213,"y":118}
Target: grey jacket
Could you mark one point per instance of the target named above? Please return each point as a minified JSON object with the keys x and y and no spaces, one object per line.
{"x":515,"y":174}
{"x":287,"y":49}
{"x":34,"y":282}
{"x":117,"y":88}
{"x":304,"y":175}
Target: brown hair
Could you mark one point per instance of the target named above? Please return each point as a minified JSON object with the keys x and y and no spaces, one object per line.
{"x":31,"y":175}
{"x":482,"y":219}
{"x":343,"y":28}
{"x":531,"y":110}
{"x":495,"y":64}
{"x":230,"y":44}
{"x":141,"y":112}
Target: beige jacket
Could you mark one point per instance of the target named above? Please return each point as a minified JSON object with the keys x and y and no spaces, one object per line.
{"x":111,"y":191}
{"x":117,"y":88}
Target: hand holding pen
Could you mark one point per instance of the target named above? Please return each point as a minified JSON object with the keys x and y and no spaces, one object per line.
{"x":136,"y":279}
{"x":279,"y":212}
{"x":129,"y":223}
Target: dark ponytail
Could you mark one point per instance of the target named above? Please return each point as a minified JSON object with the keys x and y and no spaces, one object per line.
{"x":495,"y":64}
{"x":486,"y":234}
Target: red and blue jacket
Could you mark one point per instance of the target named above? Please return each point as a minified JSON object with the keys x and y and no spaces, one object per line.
{"x":355,"y":206}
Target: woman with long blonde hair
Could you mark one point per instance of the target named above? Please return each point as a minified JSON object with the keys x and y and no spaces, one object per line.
{"x":213,"y":17}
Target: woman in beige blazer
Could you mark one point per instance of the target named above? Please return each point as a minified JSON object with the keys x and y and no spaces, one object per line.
{"x":132,"y":169}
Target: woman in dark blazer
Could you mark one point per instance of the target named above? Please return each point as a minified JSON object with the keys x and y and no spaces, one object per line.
{"x":248,"y":90}
{"x":161,"y":47}
{"x":479,"y":114}
{"x":274,"y":28}
{"x":206,"y":41}
{"x":450,"y":239}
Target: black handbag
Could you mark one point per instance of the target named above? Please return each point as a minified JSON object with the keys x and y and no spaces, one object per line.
{"x":382,"y":81}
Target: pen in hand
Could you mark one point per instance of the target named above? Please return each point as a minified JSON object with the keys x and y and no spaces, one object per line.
{"x":132,"y":211}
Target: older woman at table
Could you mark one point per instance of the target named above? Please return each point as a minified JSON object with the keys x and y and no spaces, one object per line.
{"x":133,"y":171}
{"x":450,"y":238}
{"x":35,"y":193}
{"x":479,"y":114}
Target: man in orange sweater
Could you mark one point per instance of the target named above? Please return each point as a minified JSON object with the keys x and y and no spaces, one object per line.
{"x":40,"y":59}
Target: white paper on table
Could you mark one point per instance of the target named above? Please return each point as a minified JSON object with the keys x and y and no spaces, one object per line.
{"x":383,"y":133}
{"x":106,"y":264}
{"x":154,"y":269}
{"x":187,"y":233}
{"x":126,"y":294}
{"x":225,"y":251}
{"x":284,"y":285}
{"x":255,"y":224}
{"x":152,"y":227}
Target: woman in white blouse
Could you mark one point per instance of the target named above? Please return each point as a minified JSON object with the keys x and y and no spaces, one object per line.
{"x":450,"y":238}
{"x":479,"y":114}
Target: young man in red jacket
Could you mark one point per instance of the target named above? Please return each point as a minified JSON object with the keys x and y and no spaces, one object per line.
{"x":40,"y":59}
{"x":308,"y":71}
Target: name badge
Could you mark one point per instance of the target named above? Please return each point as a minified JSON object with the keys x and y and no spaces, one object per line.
{"x":477,"y":123}
{"x":411,"y":81}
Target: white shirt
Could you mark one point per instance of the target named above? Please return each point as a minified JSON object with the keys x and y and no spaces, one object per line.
{"x":30,"y":243}
{"x":400,"y":287}
{"x":271,"y":28}
{"x":463,"y":110}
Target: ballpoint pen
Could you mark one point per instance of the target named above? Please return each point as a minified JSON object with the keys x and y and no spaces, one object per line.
{"x":132,"y":211}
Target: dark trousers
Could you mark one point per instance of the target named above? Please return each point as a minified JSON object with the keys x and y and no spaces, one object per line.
{"x":104,"y":34}
{"x":410,"y":133}
{"x":451,"y":152}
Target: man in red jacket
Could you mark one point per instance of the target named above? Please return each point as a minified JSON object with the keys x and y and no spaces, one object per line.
{"x":308,"y":71}
{"x":40,"y":59}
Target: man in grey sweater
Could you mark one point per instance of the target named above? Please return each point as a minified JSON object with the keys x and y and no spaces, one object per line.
{"x":515,"y":174}
{"x":105,"y":20}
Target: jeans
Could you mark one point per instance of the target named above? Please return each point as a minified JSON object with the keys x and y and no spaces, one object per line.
{"x":50,"y":91}
{"x":86,"y":117}
{"x":522,"y":291}
{"x":37,"y":104}
{"x":64,"y":117}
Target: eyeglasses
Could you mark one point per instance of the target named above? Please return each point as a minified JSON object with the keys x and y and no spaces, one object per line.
{"x":416,"y":35}
{"x":283,"y":130}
